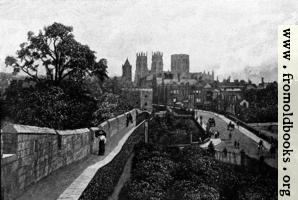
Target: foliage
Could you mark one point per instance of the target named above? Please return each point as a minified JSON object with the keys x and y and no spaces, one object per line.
{"x":193,"y":175}
{"x":262,"y":105}
{"x":172,"y":130}
{"x":60,"y":99}
{"x":110,"y":105}
{"x":189,"y":190}
{"x":62,"y":57}
{"x":65,"y":107}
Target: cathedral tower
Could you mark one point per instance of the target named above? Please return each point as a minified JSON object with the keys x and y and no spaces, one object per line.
{"x":180,"y":65}
{"x":157,"y":64}
{"x":126,"y":71}
{"x":141,"y":67}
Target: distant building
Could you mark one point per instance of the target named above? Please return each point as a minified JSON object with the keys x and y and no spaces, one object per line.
{"x":141,"y":67}
{"x":203,"y":76}
{"x":126,"y":71}
{"x":180,"y":66}
{"x":157,"y":64}
{"x":142,"y":97}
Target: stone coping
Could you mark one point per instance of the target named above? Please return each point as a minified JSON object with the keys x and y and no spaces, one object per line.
{"x":27,"y":129}
{"x":72,"y":132}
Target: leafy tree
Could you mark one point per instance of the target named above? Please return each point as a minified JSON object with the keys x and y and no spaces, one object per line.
{"x":110,"y":105}
{"x":65,"y":107}
{"x":62,"y":57}
{"x":61,"y":98}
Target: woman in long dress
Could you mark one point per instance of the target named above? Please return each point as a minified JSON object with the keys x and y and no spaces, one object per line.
{"x":102,"y":142}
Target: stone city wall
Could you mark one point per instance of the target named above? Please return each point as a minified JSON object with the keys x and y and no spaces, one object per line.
{"x":31,"y":153}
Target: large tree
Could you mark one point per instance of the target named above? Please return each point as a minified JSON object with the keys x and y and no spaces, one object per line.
{"x":62,"y":57}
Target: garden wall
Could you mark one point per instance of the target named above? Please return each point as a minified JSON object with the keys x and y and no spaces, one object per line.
{"x":36,"y":152}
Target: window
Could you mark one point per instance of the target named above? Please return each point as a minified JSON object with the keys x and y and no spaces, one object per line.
{"x":145,"y":104}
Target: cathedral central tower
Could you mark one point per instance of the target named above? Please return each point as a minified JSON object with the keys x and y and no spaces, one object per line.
{"x":157,"y":64}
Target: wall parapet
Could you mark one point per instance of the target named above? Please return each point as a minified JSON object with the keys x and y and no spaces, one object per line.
{"x":39,"y":151}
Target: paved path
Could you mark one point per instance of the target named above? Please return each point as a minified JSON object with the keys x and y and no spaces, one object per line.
{"x":67,"y":182}
{"x":248,"y":141}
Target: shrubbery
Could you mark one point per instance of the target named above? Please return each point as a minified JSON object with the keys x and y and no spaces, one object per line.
{"x":67,"y":106}
{"x":158,"y":173}
{"x":171,"y":130}
{"x":110,"y":105}
{"x":262,"y":105}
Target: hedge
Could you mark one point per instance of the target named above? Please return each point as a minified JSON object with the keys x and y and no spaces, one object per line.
{"x":106,"y":178}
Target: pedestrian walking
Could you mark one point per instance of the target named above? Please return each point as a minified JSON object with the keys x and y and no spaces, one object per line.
{"x":129,"y":119}
{"x":101,"y":135}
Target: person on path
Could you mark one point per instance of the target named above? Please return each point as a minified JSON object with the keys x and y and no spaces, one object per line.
{"x":129,"y":119}
{"x":101,"y":141}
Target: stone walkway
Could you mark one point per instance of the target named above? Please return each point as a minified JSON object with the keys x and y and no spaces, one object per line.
{"x":70,"y":181}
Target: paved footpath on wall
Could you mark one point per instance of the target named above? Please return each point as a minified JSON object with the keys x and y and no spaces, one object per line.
{"x":248,"y":141}
{"x":68,"y":182}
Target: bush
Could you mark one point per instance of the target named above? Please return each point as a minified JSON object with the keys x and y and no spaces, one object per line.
{"x":61,"y":107}
{"x":110,"y":105}
{"x":142,"y":190}
{"x":162,"y":173}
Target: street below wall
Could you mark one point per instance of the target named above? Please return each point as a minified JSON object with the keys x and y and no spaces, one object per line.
{"x":247,"y":144}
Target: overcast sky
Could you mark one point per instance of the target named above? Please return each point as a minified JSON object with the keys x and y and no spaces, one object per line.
{"x":231,"y":37}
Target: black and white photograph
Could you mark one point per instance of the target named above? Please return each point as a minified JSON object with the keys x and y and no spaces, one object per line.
{"x":144,"y":100}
